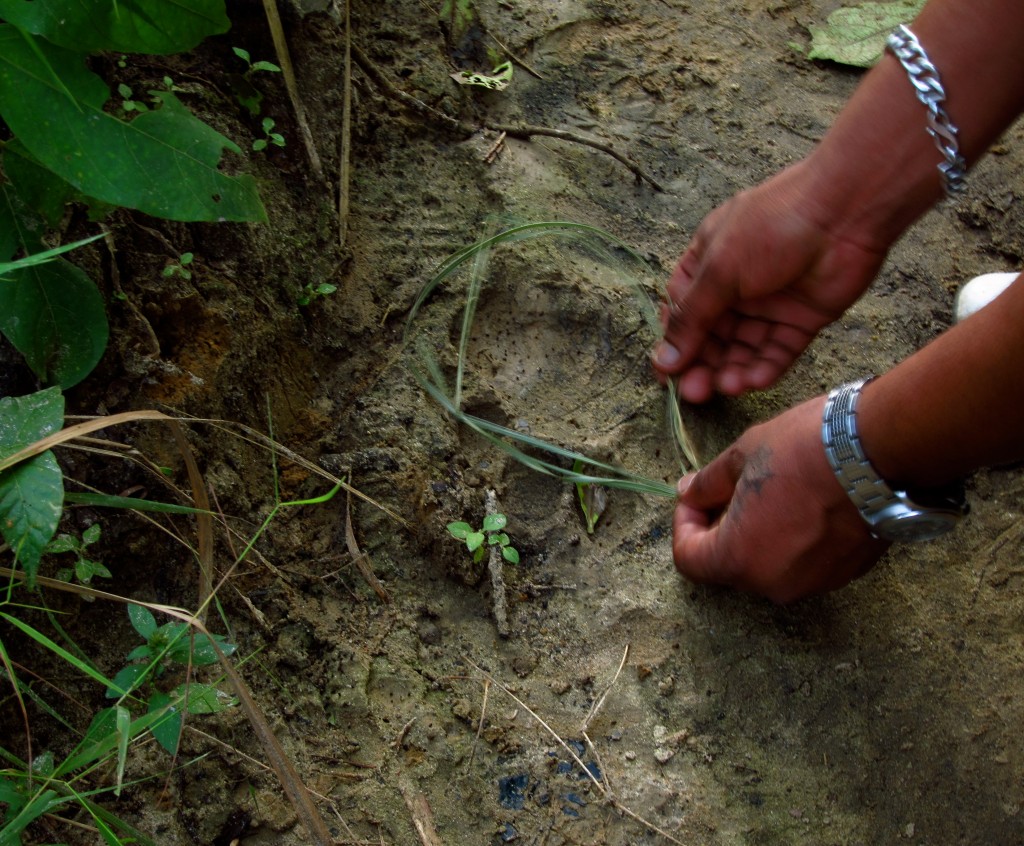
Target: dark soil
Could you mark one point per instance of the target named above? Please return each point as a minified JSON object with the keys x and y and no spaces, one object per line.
{"x":889,"y":712}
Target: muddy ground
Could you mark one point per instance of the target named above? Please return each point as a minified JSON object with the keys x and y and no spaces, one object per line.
{"x":887,"y":713}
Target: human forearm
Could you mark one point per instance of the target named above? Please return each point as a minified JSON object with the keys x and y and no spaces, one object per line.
{"x":954,"y":406}
{"x":876,"y":170}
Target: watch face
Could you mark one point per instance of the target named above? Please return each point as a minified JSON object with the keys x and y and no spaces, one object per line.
{"x":912,"y":525}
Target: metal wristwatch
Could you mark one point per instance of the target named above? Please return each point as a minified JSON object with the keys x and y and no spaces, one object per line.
{"x":893,"y":515}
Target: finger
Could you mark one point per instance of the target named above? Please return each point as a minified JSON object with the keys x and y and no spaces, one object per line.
{"x":694,"y":542}
{"x":711,"y":489}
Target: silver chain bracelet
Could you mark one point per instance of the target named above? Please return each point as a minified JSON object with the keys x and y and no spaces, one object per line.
{"x":925,"y":78}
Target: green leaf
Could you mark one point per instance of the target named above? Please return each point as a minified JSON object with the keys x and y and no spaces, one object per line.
{"x":495,"y":522}
{"x":142,"y":620}
{"x":91,"y":535}
{"x":32,"y":492}
{"x":126,"y":26}
{"x":126,"y":680}
{"x":458,"y":17}
{"x":54,"y":315}
{"x":474,"y":540}
{"x":510,"y":554}
{"x":199,"y":649}
{"x":62,"y":543}
{"x":164,"y":162}
{"x":168,"y":729}
{"x":459,"y":530}
{"x":86,"y":570}
{"x":856,"y":35}
{"x":203,"y":698}
{"x":40,"y":188}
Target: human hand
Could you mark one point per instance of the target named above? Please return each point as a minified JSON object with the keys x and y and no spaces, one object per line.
{"x":763,"y":274}
{"x":769,"y":516}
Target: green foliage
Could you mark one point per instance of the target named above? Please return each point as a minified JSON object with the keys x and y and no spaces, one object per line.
{"x":32,"y":492}
{"x":67,"y":140}
{"x":490,"y":534}
{"x":128,"y":26}
{"x":314,"y":290}
{"x":248,"y":95}
{"x":856,"y":35}
{"x":85,"y":568}
{"x":179,"y":267}
{"x":593,"y":498}
{"x":172,"y":645}
{"x":271,"y":137}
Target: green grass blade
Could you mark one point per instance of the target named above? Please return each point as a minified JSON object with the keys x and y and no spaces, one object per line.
{"x":130,"y":502}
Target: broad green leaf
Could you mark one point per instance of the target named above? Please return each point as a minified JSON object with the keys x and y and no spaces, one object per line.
{"x":459,"y":530}
{"x":126,"y":26}
{"x":458,"y":17}
{"x":32,"y":492}
{"x":474,"y":540}
{"x":91,"y":535}
{"x":494,"y":522}
{"x":856,"y":35}
{"x":164,"y":162}
{"x":510,"y":554}
{"x":142,"y":620}
{"x":199,"y":649}
{"x":168,"y":729}
{"x":203,"y":698}
{"x":39,"y":187}
{"x":126,"y":680}
{"x":54,"y":315}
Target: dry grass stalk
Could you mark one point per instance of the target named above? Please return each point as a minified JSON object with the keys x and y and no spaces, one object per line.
{"x":360,"y":558}
{"x":601,"y":786}
{"x":288,"y":72}
{"x":495,"y":568}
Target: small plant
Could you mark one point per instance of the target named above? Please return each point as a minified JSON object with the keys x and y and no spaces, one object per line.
{"x":490,"y":534}
{"x":314,"y":291}
{"x":592,"y":496}
{"x":167,"y":647}
{"x":129,"y":104}
{"x":179,"y":267}
{"x":85,"y":568}
{"x":247,"y":94}
{"x":275,"y":138}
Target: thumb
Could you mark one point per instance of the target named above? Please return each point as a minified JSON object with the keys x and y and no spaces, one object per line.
{"x":711,"y":488}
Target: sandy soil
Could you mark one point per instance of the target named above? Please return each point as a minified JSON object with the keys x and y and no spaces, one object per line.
{"x":887,"y":713}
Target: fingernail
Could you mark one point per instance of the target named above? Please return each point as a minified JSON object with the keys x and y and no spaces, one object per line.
{"x":683,"y":485}
{"x":666,"y":356}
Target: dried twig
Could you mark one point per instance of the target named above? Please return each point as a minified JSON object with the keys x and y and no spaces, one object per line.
{"x":204,"y":520}
{"x":601,"y":787}
{"x":360,"y":558}
{"x":422,"y":816}
{"x":496,"y":570}
{"x":522,"y":131}
{"x":345,"y":139}
{"x":288,"y":72}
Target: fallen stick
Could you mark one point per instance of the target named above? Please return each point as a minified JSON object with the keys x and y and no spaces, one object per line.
{"x":496,"y":570}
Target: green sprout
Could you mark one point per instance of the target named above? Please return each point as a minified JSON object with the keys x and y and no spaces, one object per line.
{"x":127,"y":102}
{"x":247,"y":94}
{"x":171,"y":646}
{"x":593,"y":498}
{"x":179,"y":267}
{"x":313,"y":291}
{"x":85,"y":569}
{"x":275,"y":138}
{"x":490,"y":534}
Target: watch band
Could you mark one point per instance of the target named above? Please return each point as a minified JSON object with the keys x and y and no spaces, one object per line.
{"x":868,"y":491}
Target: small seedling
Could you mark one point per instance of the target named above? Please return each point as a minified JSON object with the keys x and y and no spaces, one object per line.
{"x":127,"y":103}
{"x":85,"y":568}
{"x":490,"y":534}
{"x":179,"y":267}
{"x":314,"y":291}
{"x":593,"y":499}
{"x":275,"y":138}
{"x":166,"y":647}
{"x":247,"y":94}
